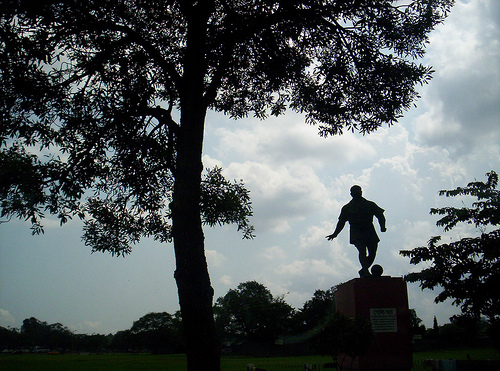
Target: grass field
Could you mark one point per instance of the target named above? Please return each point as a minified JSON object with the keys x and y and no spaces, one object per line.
{"x":133,"y":362}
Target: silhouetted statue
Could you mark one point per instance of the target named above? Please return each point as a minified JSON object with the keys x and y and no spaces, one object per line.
{"x":359,"y":213}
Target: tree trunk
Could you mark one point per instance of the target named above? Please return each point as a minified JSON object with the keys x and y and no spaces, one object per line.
{"x":192,"y":277}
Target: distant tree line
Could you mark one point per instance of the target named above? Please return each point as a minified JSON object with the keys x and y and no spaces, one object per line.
{"x":462,"y":331}
{"x":249,"y":320}
{"x":37,"y":336}
{"x":154,"y":332}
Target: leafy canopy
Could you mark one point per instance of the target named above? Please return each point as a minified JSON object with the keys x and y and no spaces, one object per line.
{"x":251,"y":312}
{"x":90,"y":93}
{"x":467,"y":270}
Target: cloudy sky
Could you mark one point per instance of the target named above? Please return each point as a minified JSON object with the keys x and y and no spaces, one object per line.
{"x":298,"y":183}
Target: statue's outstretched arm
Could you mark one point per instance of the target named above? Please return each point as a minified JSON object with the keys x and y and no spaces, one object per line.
{"x":338,"y":229}
{"x":381,"y":221}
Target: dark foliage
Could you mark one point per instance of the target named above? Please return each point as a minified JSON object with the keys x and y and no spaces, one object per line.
{"x":417,"y":328}
{"x":154,"y":332}
{"x":158,"y":333}
{"x":317,"y":311}
{"x":38,"y":333}
{"x":39,"y":336}
{"x":91,"y":88}
{"x":467,"y":270}
{"x":251,"y":313}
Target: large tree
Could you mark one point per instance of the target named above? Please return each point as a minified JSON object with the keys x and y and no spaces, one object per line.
{"x":52,"y":336}
{"x":103,"y":105}
{"x":158,"y":332}
{"x":467,"y":270}
{"x":250,"y":312}
{"x":318,"y":309}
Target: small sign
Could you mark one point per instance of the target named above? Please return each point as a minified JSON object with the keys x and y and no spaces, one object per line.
{"x":383,"y":319}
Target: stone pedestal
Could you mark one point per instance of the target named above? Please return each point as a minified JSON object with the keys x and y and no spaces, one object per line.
{"x":384,"y":302}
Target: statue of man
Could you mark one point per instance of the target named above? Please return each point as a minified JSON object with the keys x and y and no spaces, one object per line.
{"x":359,"y":212}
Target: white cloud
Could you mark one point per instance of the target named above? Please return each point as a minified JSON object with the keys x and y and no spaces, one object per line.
{"x":274,"y":253}
{"x":417,"y":233}
{"x":281,"y":195}
{"x":449,"y":170}
{"x":215,"y":258}
{"x":463,"y":100}
{"x":307,"y":267}
{"x":287,"y":139}
{"x":340,"y":255}
{"x":468,"y":35}
{"x":209,"y":162}
{"x":226,"y":280}
{"x":6,"y":319}
{"x":315,"y":236}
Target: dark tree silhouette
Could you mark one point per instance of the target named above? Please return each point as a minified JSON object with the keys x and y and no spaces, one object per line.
{"x":250,"y":312}
{"x":318,"y":311}
{"x":95,"y":86}
{"x":158,"y":332}
{"x":9,"y":338}
{"x":51,"y":336}
{"x":467,"y":270}
{"x":417,"y":328}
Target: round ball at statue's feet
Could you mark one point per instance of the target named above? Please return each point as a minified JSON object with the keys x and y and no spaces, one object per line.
{"x":377,"y":270}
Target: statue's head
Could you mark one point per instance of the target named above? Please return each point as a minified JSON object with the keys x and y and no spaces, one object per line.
{"x":356,"y":191}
